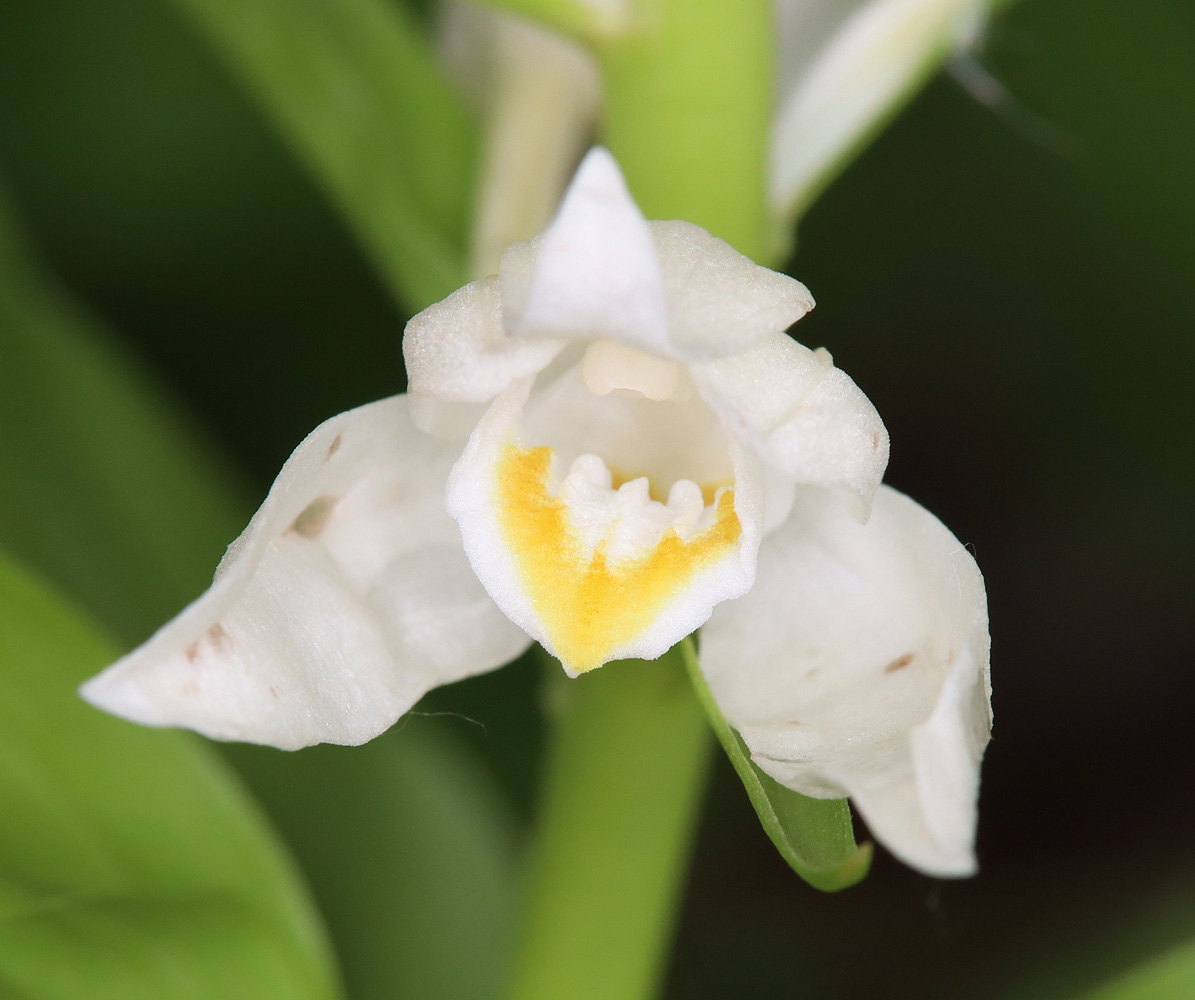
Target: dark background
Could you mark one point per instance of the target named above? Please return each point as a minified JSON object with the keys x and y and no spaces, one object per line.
{"x":1012,"y":281}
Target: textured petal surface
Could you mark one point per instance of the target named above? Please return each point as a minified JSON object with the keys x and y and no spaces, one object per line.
{"x":719,"y":301}
{"x":802,"y":415}
{"x":842,"y":66}
{"x":458,"y":351}
{"x":606,"y":527}
{"x":858,"y":665}
{"x":346,"y":598}
{"x":595,"y":271}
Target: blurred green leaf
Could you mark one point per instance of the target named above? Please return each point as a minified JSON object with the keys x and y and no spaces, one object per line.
{"x":410,"y":853}
{"x":102,"y":486}
{"x":354,"y":87}
{"x":1168,"y":977}
{"x":131,"y":864}
{"x":814,"y":836}
{"x":105,"y":491}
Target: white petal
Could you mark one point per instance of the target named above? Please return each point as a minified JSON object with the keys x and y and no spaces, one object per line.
{"x":839,"y":80}
{"x":858,"y":665}
{"x":345,"y":599}
{"x":802,"y":415}
{"x":457,"y":350}
{"x":718,"y":301}
{"x":594,"y":569}
{"x":595,"y":269}
{"x":721,"y":302}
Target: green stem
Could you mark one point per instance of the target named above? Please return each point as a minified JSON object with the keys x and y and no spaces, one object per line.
{"x":580,"y":19}
{"x":688,"y":96}
{"x":688,"y":102}
{"x":624,"y":780}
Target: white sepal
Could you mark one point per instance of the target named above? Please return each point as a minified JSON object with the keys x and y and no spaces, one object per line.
{"x":844,"y":64}
{"x":344,"y":600}
{"x":596,"y":273}
{"x":858,"y":665}
{"x":802,"y":415}
{"x":718,"y":301}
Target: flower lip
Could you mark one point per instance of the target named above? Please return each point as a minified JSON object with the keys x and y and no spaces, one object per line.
{"x":635,"y":435}
{"x":603,"y":525}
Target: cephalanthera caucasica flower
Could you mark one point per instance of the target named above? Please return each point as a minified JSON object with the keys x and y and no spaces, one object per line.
{"x":609,"y":444}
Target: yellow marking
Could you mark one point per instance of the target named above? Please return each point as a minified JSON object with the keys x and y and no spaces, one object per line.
{"x":589,"y":605}
{"x":708,"y":490}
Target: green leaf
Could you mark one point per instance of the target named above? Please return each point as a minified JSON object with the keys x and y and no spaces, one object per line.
{"x":410,"y":853}
{"x":105,"y":489}
{"x":1167,"y":977}
{"x":354,"y":87}
{"x":814,"y":836}
{"x":131,"y":863}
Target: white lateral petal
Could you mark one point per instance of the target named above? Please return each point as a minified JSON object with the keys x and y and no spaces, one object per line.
{"x":595,"y":272}
{"x":802,"y":415}
{"x":594,"y":569}
{"x":858,"y":665}
{"x":345,"y":599}
{"x":862,"y":67}
{"x":457,"y":350}
{"x":721,"y":302}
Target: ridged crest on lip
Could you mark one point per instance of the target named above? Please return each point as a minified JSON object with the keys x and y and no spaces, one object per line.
{"x":591,"y":604}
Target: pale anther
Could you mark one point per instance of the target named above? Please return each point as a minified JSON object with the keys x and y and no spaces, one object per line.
{"x":609,"y":366}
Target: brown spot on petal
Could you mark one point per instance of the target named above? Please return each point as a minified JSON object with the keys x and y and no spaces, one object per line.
{"x":193,"y":652}
{"x":314,"y":517}
{"x":899,"y":663}
{"x":795,"y":722}
{"x":274,"y":691}
{"x":219,"y":638}
{"x":334,"y":447}
{"x":875,"y":439}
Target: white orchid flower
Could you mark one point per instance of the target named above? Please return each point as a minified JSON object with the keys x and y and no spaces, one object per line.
{"x":602,"y":445}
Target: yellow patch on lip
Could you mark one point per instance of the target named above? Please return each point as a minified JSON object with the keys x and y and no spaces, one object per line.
{"x":589,"y":605}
